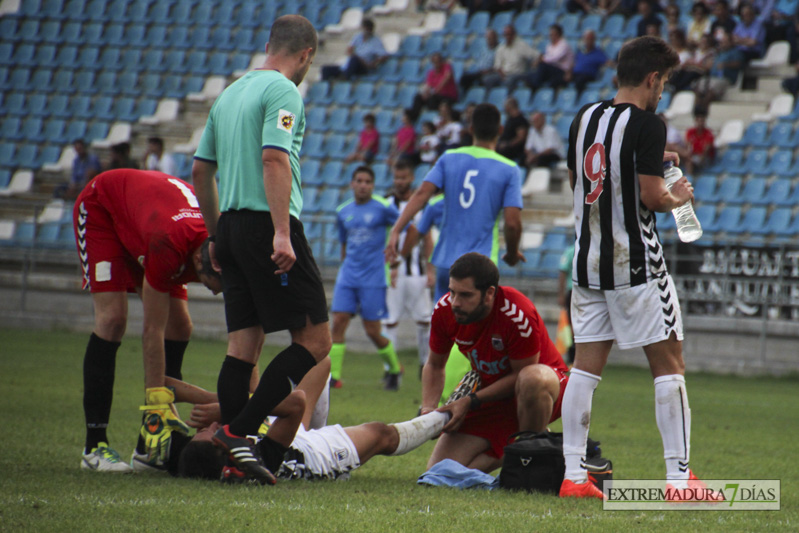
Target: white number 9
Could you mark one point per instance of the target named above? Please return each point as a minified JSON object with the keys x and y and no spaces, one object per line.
{"x":468,"y":186}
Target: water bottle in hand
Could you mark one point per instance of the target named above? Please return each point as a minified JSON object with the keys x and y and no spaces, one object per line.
{"x":688,"y":227}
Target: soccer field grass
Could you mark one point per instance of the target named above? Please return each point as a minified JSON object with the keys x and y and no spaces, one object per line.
{"x":743,"y":428}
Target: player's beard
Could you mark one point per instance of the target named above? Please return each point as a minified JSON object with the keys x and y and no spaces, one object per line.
{"x":467,"y":318}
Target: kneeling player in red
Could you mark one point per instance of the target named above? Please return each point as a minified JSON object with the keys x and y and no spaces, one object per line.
{"x":522,"y":374}
{"x":138,"y":231}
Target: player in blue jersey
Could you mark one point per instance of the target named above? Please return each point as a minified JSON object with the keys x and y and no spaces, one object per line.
{"x":477,"y":184}
{"x":362,"y":279}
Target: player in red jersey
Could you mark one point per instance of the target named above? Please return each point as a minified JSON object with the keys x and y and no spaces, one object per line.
{"x":138,"y":231}
{"x":522,"y":374}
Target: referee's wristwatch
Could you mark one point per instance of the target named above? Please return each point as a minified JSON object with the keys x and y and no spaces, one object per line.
{"x":475,"y":402}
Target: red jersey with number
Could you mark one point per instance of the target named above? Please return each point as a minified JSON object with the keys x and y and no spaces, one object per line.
{"x":513,"y":330}
{"x":157,"y":219}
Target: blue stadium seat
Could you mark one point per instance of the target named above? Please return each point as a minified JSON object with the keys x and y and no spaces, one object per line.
{"x":497,"y":96}
{"x":405,"y":95}
{"x":777,"y":223}
{"x":549,"y":266}
{"x":779,"y":164}
{"x":23,"y":54}
{"x":631,"y":28}
{"x":76,"y":129}
{"x":726,"y":221}
{"x":385,"y":122}
{"x":779,"y":136}
{"x":420,"y":173}
{"x":500,"y":20}
{"x":455,"y":23}
{"x":522,"y":96}
{"x":222,"y":39}
{"x":729,"y":190}
{"x":705,"y":188}
{"x":181,"y":12}
{"x":433,"y":43}
{"x":477,"y":24}
{"x":752,"y":192}
{"x":335,"y":146}
{"x":566,"y":100}
{"x":48,"y":234}
{"x":731,"y":159}
{"x":310,"y":172}
{"x":456,"y":48}
{"x":409,"y":72}
{"x":341,"y":94}
{"x":779,"y":191}
{"x":202,"y":13}
{"x":12,"y":128}
{"x":355,"y":121}
{"x":9,"y":27}
{"x":383,"y":177}
{"x":754,"y":218}
{"x":24,"y":234}
{"x":170,"y":86}
{"x":613,"y":27}
{"x":200,"y":37}
{"x":664,"y":222}
{"x":524,"y":23}
{"x":14,"y":105}
{"x":130,"y":59}
{"x":106,"y":83}
{"x":128,"y":83}
{"x":146,"y":107}
{"x":242,"y":39}
{"x":312,"y":145}
{"x":364,"y":94}
{"x":26,"y":157}
{"x":544,"y":21}
{"x":705,"y":214}
{"x":124,"y":110}
{"x":754,"y":135}
{"x":411,"y":47}
{"x":97,"y":130}
{"x":80,"y":107}
{"x":475,"y":95}
{"x":309,"y":203}
{"x":570,"y":24}
{"x":246,"y":14}
{"x":315,"y":117}
{"x":29,"y":30}
{"x":71,"y":33}
{"x":109,"y":59}
{"x":153,"y":60}
{"x":530,"y":267}
{"x":555,"y":241}
{"x":7,"y":53}
{"x":317,"y":93}
{"x":328,"y":200}
{"x":7,"y":151}
{"x":192,"y":84}
{"x":788,"y":234}
{"x":543,"y":99}
{"x":386,"y":95}
{"x":563,"y":125}
{"x":19,"y":79}
{"x":5,"y":177}
{"x":32,"y":129}
{"x":338,"y":120}
{"x":755,"y":162}
{"x":218,"y":63}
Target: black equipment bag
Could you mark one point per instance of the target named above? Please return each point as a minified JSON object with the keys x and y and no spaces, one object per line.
{"x":533,"y":461}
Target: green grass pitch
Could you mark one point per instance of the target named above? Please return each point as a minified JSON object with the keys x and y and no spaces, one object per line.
{"x":742,"y":428}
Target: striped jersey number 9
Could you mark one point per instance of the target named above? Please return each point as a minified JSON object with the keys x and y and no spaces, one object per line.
{"x":594,"y":169}
{"x":186,"y":192}
{"x":468,"y":186}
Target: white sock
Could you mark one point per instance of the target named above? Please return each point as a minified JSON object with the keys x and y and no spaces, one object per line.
{"x":423,"y":342}
{"x":674,"y":422}
{"x":576,"y":417}
{"x":421,"y":429}
{"x":322,"y":408}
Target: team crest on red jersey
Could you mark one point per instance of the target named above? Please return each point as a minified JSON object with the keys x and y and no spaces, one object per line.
{"x":496,"y":342}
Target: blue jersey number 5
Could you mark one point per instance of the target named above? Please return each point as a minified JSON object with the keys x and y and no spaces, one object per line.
{"x":468,"y":188}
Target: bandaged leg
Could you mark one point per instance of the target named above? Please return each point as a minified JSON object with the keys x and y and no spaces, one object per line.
{"x":416,"y":432}
{"x":673,"y":417}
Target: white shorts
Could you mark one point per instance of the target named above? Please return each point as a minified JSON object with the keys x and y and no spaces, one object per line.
{"x":410,"y":298}
{"x":633,"y":317}
{"x":328,"y":453}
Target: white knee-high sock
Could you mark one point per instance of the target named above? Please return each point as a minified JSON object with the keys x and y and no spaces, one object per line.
{"x":674,"y":422}
{"x":423,"y":341}
{"x":322,"y":408}
{"x":576,"y":416}
{"x":421,"y":429}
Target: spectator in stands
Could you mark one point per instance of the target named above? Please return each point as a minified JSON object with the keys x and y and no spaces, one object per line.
{"x":544,"y":146}
{"x":120,"y":157}
{"x":85,"y":166}
{"x":558,"y":59}
{"x":580,"y":6}
{"x":693,"y":65}
{"x":675,"y":141}
{"x":439,"y":86}
{"x":403,"y":146}
{"x":650,"y":23}
{"x":448,"y":128}
{"x":727,"y":65}
{"x":484,"y":63}
{"x":510,"y":61}
{"x":514,"y":134}
{"x":492,"y":6}
{"x":791,"y":85}
{"x":673,"y":22}
{"x":699,"y":25}
{"x":156,"y":159}
{"x":466,"y":120}
{"x":428,"y":144}
{"x":368,"y":142}
{"x":749,"y":35}
{"x":366,"y":52}
{"x":724,"y":21}
{"x":700,"y":143}
{"x":588,"y":61}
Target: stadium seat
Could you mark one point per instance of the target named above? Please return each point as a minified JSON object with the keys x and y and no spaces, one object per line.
{"x":563,"y":125}
{"x":729,"y":190}
{"x":779,"y":164}
{"x":32,"y":129}
{"x":731,"y":160}
{"x":317,"y":93}
{"x":477,"y":24}
{"x":500,"y":20}
{"x":332,"y":174}
{"x":24,"y":234}
{"x":411,"y":47}
{"x":124,"y":110}
{"x":726,"y":221}
{"x":549,"y":265}
{"x":665,"y":222}
{"x":433,"y":43}
{"x":53,"y":131}
{"x":12,"y":128}
{"x":780,"y":136}
{"x":364,"y":94}
{"x":328,"y":200}
{"x":788,"y":234}
{"x":26,"y":157}
{"x":704,"y":188}
{"x":76,"y":129}
{"x":497,"y":96}
{"x":386,"y":96}
{"x":543,"y":99}
{"x":341,"y":94}
{"x":613,"y":27}
{"x":554,"y":241}
{"x":14,"y":104}
{"x":754,"y":135}
{"x":755,"y":163}
{"x":752,"y":192}
{"x":405,"y":95}
{"x":705,"y":214}
{"x":754,"y":218}
{"x":128,"y":83}
{"x":566,"y":100}
{"x":523,"y":23}
{"x":777,"y":223}
{"x":544,"y":21}
{"x":385,"y":122}
{"x":310,"y":172}
{"x":338,"y":120}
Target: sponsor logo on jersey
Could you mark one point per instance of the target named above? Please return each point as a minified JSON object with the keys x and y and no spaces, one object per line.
{"x":285,"y":120}
{"x":492,"y":368}
{"x":368,"y":217}
{"x":496,"y":342}
{"x":342,"y":454}
{"x":466,"y":343}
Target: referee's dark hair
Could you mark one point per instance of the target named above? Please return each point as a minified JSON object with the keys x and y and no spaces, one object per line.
{"x":292,"y":33}
{"x":480,"y":268}
{"x":486,"y":120}
{"x":201,"y":459}
{"x":365,"y":169}
{"x":642,"y":56}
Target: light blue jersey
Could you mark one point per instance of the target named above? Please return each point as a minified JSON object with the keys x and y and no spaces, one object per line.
{"x":432,"y":214}
{"x":364,"y":230}
{"x":477,"y":183}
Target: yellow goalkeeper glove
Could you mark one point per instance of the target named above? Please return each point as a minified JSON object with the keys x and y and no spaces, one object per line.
{"x":159,"y":421}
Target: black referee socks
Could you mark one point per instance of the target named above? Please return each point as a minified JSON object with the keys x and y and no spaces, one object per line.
{"x":233,"y":387}
{"x":278,"y":380}
{"x":173,"y":357}
{"x":99,"y":366}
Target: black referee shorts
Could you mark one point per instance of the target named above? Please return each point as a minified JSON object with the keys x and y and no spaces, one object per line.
{"x":253,"y":293}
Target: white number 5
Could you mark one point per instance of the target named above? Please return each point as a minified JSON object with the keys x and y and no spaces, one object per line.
{"x":468,"y":186}
{"x":186,"y":192}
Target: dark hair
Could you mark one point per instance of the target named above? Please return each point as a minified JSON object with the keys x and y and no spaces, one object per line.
{"x":558,"y":28}
{"x":478,"y":267}
{"x":702,"y":6}
{"x":292,"y":33}
{"x":201,"y":459}
{"x":79,"y":141}
{"x":642,"y":56}
{"x":207,"y":268}
{"x":700,"y":111}
{"x":365,"y":169}
{"x":402,"y":164}
{"x":156,"y":140}
{"x":485,"y":122}
{"x":369,"y":118}
{"x":369,"y":24}
{"x":430,"y":125}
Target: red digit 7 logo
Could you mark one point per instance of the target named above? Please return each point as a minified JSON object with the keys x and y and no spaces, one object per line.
{"x":594,"y":169}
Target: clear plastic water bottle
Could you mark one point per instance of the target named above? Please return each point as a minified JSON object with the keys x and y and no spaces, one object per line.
{"x":688,"y":227}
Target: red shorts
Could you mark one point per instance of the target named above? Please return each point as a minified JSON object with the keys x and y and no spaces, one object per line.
{"x":107,"y":266}
{"x":497,"y":421}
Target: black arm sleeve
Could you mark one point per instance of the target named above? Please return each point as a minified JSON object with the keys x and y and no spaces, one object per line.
{"x":650,"y":145}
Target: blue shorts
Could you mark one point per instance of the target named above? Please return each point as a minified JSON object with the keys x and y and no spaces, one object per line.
{"x":369,"y":302}
{"x":442,"y":283}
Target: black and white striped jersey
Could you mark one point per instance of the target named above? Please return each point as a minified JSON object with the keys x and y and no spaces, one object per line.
{"x":617,"y":244}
